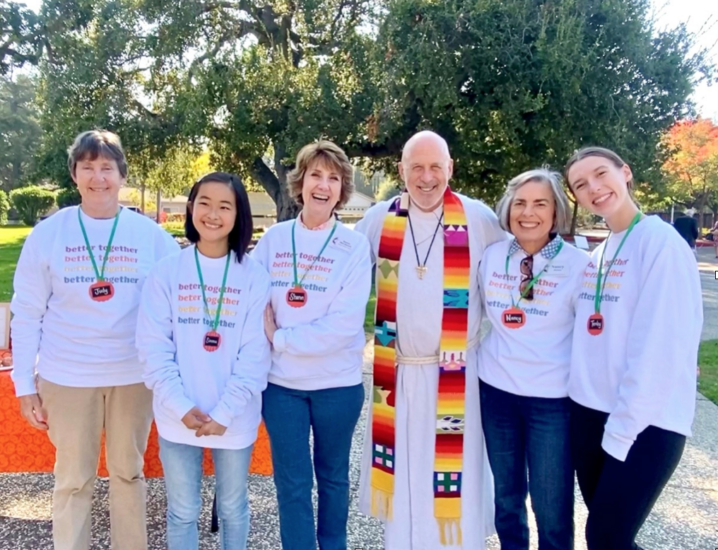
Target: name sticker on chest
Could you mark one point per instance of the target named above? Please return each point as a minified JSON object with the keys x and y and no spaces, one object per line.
{"x":101,"y":291}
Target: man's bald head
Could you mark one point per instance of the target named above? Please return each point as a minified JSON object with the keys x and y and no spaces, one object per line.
{"x":424,"y":139}
{"x":426,"y":168}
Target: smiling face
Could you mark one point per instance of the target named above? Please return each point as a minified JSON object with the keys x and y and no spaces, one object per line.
{"x":533,"y":212}
{"x":98,"y":182}
{"x":599,"y":185}
{"x":426,"y":169}
{"x":214,"y":211}
{"x":321,"y":190}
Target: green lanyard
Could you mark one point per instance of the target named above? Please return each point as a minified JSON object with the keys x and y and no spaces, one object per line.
{"x":599,"y":287}
{"x":298,"y":282}
{"x":99,"y":274}
{"x":215,"y":323}
{"x":534,"y":280}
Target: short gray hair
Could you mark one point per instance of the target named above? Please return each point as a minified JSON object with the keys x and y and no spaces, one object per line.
{"x":562,"y":213}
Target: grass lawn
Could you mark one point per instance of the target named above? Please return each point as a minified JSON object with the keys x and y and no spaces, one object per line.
{"x":11,"y":239}
{"x":708,"y":361}
{"x":369,"y":319}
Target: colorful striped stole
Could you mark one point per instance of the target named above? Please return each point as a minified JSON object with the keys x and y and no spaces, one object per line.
{"x":449,"y":446}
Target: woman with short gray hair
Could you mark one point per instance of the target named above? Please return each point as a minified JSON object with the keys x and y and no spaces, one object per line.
{"x":529,"y":287}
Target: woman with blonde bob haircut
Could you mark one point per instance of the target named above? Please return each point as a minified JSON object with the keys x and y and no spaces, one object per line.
{"x":321,"y":277}
{"x":635,"y":350}
{"x":529,"y":288}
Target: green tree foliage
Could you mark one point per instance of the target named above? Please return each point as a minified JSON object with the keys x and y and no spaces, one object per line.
{"x":20,"y":36}
{"x":19,"y":130}
{"x":4,"y":207}
{"x":511,"y":85}
{"x":32,"y":202}
{"x":68,"y":196}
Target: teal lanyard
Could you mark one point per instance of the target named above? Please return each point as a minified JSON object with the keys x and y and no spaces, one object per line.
{"x":215,"y":323}
{"x":533,"y":281}
{"x":99,"y":274}
{"x":600,"y":287}
{"x":298,"y":282}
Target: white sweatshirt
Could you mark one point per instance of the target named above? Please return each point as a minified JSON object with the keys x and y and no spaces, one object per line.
{"x":321,"y":344}
{"x":642,"y":368}
{"x":534,"y":360}
{"x":227,"y":383}
{"x":57,"y":328}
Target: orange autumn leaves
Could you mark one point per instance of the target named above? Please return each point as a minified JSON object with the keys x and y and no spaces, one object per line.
{"x":691,"y":168}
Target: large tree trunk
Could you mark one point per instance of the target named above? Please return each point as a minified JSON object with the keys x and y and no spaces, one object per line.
{"x":159,"y":205}
{"x":275,"y":184}
{"x":142,"y":197}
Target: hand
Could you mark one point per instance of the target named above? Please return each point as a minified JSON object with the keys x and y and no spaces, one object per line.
{"x":211,"y":428}
{"x":270,"y":326}
{"x":32,"y":410}
{"x":195,"y":419}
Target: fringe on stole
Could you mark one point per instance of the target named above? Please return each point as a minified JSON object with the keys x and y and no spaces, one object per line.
{"x":382,"y":504}
{"x":447,"y":526}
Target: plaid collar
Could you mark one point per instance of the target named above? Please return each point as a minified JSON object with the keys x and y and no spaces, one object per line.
{"x":549,"y":251}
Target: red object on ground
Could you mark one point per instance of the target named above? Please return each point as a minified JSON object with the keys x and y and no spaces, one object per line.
{"x":25,"y":449}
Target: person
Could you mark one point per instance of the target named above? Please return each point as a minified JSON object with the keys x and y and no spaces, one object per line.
{"x":634,"y":356}
{"x":529,"y":287}
{"x":321,"y":279}
{"x":687,"y":227}
{"x":424,"y":471}
{"x":77,"y":291}
{"x":206,"y":359}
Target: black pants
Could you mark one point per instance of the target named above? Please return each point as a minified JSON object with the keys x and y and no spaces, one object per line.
{"x":619,"y":495}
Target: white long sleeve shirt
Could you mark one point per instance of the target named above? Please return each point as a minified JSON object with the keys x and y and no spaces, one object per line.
{"x":642,"y":368}
{"x":227,"y":383}
{"x":57,"y":328}
{"x":534,"y":360}
{"x":321,"y":344}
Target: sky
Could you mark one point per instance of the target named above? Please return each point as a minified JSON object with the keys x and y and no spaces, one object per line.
{"x":701,"y":16}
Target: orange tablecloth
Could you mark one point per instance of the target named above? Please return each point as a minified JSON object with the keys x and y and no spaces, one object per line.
{"x":25,"y":449}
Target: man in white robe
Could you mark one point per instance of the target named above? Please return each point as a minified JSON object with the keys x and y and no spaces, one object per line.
{"x":426,"y":168}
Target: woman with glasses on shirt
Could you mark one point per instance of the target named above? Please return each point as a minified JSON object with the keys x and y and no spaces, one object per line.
{"x":529,"y":287}
{"x":635,"y":347}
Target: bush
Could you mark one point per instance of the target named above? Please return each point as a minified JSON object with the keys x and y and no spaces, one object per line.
{"x":176,"y":229}
{"x":4,"y":207}
{"x":388,"y":189}
{"x":69,"y":196}
{"x":176,"y":217}
{"x":32,"y":202}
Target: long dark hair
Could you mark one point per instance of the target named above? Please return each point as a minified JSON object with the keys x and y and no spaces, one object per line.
{"x":241,"y":235}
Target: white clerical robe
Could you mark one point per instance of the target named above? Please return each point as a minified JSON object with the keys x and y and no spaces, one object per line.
{"x":419,"y":313}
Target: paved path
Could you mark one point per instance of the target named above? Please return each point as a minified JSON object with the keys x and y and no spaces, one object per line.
{"x":685,"y":517}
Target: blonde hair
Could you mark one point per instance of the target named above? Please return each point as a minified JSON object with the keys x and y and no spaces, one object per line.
{"x":333,"y":156}
{"x":587,"y":152}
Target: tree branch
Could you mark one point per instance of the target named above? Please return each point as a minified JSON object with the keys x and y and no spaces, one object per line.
{"x":266,"y":178}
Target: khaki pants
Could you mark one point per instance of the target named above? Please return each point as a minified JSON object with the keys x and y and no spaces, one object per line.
{"x":76,"y":418}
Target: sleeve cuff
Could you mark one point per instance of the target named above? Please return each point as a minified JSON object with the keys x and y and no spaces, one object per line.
{"x":617,"y":446}
{"x":280,"y":340}
{"x":219,"y":415}
{"x":24,"y":385}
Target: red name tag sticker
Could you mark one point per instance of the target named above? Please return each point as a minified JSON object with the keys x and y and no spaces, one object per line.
{"x":296,"y":297}
{"x":101,"y":291}
{"x":212,"y":340}
{"x":513,"y":318}
{"x":595,"y":324}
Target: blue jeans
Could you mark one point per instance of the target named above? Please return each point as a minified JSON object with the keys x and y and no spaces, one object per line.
{"x":527,"y":439}
{"x":182,"y":465}
{"x":332,"y":415}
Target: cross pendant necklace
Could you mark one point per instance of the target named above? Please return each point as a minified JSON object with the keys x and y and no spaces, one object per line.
{"x":421,"y":269}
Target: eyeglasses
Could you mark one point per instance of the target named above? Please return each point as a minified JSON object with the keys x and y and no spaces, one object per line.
{"x":527,"y":266}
